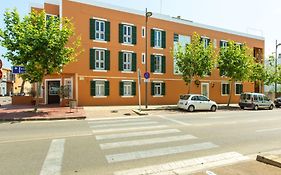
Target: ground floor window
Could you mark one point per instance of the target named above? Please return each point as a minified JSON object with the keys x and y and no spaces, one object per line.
{"x":225,"y":88}
{"x":157,"y":88}
{"x":99,"y":88}
{"x":68,"y":86}
{"x":238,"y":88}
{"x":127,"y":88}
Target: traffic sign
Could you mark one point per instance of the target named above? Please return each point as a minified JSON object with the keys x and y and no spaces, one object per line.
{"x":146,"y":75}
{"x":18,"y":69}
{"x":0,"y":74}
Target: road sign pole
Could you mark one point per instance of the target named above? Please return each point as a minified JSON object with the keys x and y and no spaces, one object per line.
{"x":139,"y":84}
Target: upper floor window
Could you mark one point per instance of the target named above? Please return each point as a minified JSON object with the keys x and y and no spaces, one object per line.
{"x":158,"y":38}
{"x":127,"y":61}
{"x":99,"y":30}
{"x":158,"y":64}
{"x":223,"y":44}
{"x":99,"y":59}
{"x":206,"y":41}
{"x":127,"y":34}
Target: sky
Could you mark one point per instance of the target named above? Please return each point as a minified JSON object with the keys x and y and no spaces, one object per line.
{"x":258,"y":17}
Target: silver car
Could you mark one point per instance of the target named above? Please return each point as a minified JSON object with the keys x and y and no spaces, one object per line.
{"x":255,"y":101}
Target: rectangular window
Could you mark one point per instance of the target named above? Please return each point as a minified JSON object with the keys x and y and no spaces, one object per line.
{"x":127,"y":61}
{"x":127,"y":88}
{"x":143,"y":58}
{"x":68,"y":87}
{"x":223,"y":44}
{"x":143,"y":32}
{"x":157,"y":89}
{"x":99,"y":59}
{"x":127,"y":34}
{"x":205,"y":41}
{"x":158,"y":64}
{"x":100,"y":30}
{"x":158,"y":38}
{"x":225,"y":89}
{"x":238,"y":88}
{"x":100,"y":88}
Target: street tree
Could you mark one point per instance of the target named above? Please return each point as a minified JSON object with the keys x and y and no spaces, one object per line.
{"x":194,"y":60}
{"x":260,"y":74}
{"x":235,"y":62}
{"x":43,"y":46}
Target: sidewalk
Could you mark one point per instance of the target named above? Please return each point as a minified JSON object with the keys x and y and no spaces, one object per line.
{"x":45,"y":112}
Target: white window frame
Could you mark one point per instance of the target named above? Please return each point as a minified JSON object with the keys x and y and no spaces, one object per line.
{"x":222,"y":93}
{"x":143,"y":32}
{"x":127,"y":61}
{"x":127,"y":88}
{"x":204,"y":39}
{"x":224,"y":43}
{"x":99,"y":61}
{"x":71,"y":86}
{"x":158,"y":67}
{"x":236,"y":88}
{"x":127,"y":34}
{"x":157,"y":88}
{"x":158,"y":38}
{"x":143,"y":58}
{"x":99,"y":33}
{"x":100,"y":88}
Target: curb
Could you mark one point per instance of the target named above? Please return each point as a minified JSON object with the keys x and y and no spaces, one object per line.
{"x":42,"y":119}
{"x":273,"y":160}
{"x":139,"y":112}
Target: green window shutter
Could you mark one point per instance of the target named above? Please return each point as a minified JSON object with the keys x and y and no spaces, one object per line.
{"x":152,"y":64}
{"x":93,"y":88}
{"x":152,"y":34}
{"x":208,"y":41}
{"x":106,"y":88}
{"x":241,"y":89}
{"x":121,"y":61}
{"x":134,"y":62}
{"x":134,"y":35}
{"x":107,"y":60}
{"x":121,"y":88}
{"x":92,"y":29}
{"x":163,"y":39}
{"x":134,"y":88}
{"x":163,"y":64}
{"x":92,"y":59}
{"x":152,"y":89}
{"x":221,"y":44}
{"x":121,"y":33}
{"x":163,"y":86}
{"x":107,"y":31}
{"x":227,"y":86}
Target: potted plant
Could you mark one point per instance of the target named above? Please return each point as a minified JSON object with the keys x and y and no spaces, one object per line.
{"x":64,"y":92}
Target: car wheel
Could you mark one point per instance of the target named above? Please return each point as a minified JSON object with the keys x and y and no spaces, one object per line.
{"x":256,"y":107}
{"x":213,"y":108}
{"x":191,"y":108}
{"x":242,"y":107}
{"x":270,"y":107}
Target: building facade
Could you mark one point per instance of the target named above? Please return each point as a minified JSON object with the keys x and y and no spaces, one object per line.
{"x":114,"y":43}
{"x":6,"y":83}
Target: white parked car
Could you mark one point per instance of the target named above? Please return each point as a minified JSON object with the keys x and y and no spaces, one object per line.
{"x":192,"y":102}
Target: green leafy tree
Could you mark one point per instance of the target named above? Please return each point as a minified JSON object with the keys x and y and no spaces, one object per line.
{"x":259,"y":74}
{"x":194,"y":60}
{"x":235,"y":62}
{"x":42,"y":46}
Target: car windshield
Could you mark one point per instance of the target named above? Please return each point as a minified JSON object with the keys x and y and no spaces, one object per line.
{"x":184,"y":97}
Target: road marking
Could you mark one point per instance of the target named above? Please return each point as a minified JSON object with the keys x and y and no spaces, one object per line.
{"x":45,"y":138}
{"x":128,"y":129}
{"x":122,"y":124}
{"x":135,"y":134}
{"x":175,"y":121}
{"x":146,"y":141}
{"x":158,"y":152}
{"x":53,"y":161}
{"x":114,"y":118}
{"x":186,"y":166}
{"x":268,"y":130}
{"x":118,"y":120}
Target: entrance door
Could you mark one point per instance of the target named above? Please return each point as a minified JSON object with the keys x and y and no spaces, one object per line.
{"x":205,"y":89}
{"x":53,"y":88}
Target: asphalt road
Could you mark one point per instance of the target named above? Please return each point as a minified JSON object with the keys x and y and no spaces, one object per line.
{"x":159,"y":143}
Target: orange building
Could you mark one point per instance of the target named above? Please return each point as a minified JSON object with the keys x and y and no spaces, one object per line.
{"x":114,"y":40}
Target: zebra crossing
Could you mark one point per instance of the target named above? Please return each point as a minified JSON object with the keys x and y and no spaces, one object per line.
{"x":119,"y":134}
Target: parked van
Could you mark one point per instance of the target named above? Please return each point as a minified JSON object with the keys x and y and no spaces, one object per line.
{"x":255,"y":101}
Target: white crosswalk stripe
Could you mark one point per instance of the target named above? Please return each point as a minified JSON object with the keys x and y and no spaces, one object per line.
{"x":186,"y":166}
{"x":146,"y":141}
{"x":123,"y":124}
{"x":158,"y":152}
{"x":128,"y":128}
{"x":118,"y":121}
{"x":135,"y":134}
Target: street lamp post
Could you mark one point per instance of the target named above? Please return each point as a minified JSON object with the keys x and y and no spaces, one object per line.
{"x":276,"y":47}
{"x":147,"y":15}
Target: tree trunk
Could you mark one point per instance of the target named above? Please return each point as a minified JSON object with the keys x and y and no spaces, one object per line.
{"x":230,"y":92}
{"x":189,"y":88}
{"x":22,"y":87}
{"x":37,"y":96}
